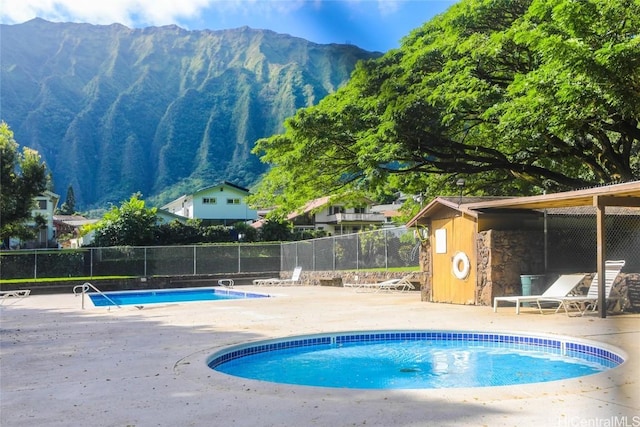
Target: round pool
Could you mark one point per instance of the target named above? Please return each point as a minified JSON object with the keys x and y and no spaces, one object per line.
{"x":416,"y":359}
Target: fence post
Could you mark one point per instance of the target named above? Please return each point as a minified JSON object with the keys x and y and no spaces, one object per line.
{"x":386,"y":251}
{"x":357,"y":251}
{"x":195,"y":260}
{"x":35,"y":263}
{"x":333,"y":249}
{"x":239,"y":258}
{"x":313,"y":255}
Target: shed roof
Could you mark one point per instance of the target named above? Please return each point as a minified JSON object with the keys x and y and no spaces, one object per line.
{"x":625,"y":194}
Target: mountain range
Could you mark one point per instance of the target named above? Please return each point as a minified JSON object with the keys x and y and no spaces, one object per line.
{"x":162,"y":111}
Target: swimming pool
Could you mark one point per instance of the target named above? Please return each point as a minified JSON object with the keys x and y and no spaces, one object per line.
{"x":415,"y":359}
{"x":167,"y":296}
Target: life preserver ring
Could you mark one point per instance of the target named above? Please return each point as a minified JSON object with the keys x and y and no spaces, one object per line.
{"x":461,"y":265}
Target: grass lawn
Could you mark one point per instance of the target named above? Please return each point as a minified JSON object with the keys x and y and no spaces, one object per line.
{"x":60,"y":279}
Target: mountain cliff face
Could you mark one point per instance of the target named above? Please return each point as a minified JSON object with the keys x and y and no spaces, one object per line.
{"x":160,"y":110}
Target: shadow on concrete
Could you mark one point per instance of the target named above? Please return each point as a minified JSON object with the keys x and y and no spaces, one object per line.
{"x":133,"y":368}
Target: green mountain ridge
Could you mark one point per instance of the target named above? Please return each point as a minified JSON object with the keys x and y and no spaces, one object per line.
{"x":160,"y":110}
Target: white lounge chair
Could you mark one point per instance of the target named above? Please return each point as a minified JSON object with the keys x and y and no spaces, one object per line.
{"x":560,"y":288}
{"x":582,"y":303}
{"x":20,"y":293}
{"x":386,"y":285}
{"x":276,"y":281}
{"x":403,"y":284}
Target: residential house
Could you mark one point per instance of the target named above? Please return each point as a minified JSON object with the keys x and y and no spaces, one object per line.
{"x":68,"y":230}
{"x":335,"y":218}
{"x":224,"y":203}
{"x":44,"y":206}
{"x":166,"y":217}
{"x":390,"y":212}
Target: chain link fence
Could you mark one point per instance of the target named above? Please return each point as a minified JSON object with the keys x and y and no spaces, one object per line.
{"x":140,"y":261}
{"x":570,"y":234}
{"x":378,"y":249}
{"x":572,"y":238}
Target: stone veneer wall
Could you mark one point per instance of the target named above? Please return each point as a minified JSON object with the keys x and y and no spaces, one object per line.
{"x":626,"y":287}
{"x":629,"y":289}
{"x":502,"y":257}
{"x":425,"y":267}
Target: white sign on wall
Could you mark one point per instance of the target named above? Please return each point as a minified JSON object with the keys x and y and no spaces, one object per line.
{"x":441,"y":241}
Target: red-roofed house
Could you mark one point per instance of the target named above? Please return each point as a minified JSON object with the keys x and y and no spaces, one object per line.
{"x":335,"y":218}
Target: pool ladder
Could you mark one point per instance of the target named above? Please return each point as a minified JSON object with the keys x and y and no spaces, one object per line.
{"x":86,"y":287}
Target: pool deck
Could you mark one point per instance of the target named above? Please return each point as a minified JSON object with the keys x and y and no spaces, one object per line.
{"x":64,"y":366}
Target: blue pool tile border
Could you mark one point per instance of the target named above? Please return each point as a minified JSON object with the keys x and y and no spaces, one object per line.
{"x":280,"y":345}
{"x":504,"y":340}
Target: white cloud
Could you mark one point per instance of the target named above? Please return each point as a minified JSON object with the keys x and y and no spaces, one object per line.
{"x":268,"y":7}
{"x":387,"y":7}
{"x":384,"y":7}
{"x":137,"y":13}
{"x":161,"y":12}
{"x":127,"y":12}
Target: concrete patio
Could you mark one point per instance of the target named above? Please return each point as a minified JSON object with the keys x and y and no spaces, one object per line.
{"x":64,"y":366}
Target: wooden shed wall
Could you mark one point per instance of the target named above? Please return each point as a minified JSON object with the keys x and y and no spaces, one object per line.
{"x":459,"y":233}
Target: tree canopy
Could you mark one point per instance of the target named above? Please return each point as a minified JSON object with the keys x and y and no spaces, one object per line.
{"x":134,"y":224}
{"x":69,"y":206}
{"x":515,"y":96}
{"x":23,"y":176}
{"x":131,"y":224}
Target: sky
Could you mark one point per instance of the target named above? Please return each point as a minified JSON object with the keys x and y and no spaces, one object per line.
{"x":375,"y":25}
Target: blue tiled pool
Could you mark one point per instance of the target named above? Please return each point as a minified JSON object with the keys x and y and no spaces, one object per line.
{"x":168,"y":296}
{"x":415,"y":359}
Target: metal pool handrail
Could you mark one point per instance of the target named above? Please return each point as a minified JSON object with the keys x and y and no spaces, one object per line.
{"x":85,"y":287}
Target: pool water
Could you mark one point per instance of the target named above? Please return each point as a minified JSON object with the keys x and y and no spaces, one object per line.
{"x":427,"y":362}
{"x":166,"y":296}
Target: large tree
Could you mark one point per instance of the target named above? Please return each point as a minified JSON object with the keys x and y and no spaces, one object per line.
{"x":23,"y":176}
{"x":131,"y":224}
{"x":69,"y":206}
{"x":515,"y":96}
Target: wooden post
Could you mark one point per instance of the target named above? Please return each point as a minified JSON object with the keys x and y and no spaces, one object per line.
{"x":601,"y":255}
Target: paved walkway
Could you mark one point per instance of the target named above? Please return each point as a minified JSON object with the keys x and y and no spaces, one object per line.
{"x":64,"y":366}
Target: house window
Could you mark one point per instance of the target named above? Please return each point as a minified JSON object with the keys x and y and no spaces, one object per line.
{"x":209,"y":201}
{"x":336,"y":210}
{"x":233,"y":201}
{"x":42,"y":205}
{"x":359,"y":210}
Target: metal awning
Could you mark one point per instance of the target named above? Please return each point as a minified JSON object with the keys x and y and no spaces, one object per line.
{"x":627,"y":194}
